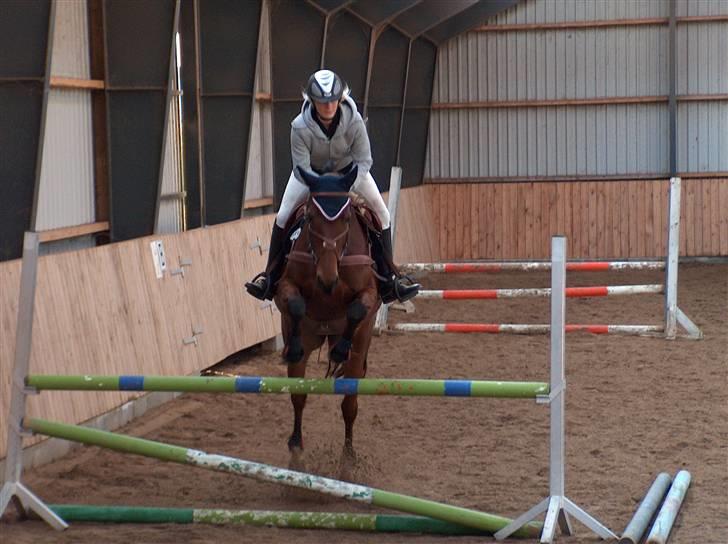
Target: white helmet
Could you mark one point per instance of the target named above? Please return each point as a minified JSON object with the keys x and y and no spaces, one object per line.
{"x":325,"y":86}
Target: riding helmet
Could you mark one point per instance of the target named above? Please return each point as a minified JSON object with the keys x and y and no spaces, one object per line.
{"x":325,"y":86}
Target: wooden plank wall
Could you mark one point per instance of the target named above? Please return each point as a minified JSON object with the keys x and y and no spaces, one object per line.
{"x":103,"y":311}
{"x":601,"y":219}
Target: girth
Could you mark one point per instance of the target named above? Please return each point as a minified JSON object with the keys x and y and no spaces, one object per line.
{"x":305,"y":257}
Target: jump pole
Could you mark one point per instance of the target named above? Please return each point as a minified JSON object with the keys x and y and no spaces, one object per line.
{"x":342,"y":521}
{"x":534,"y":328}
{"x":530,"y":266}
{"x":638,"y":524}
{"x":668,"y":512}
{"x":276,"y":475}
{"x":571,"y":292}
{"x":557,"y":506}
{"x":298,"y":386}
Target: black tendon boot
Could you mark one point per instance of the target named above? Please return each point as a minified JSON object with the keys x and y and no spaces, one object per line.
{"x":394,"y":286}
{"x":261,"y":286}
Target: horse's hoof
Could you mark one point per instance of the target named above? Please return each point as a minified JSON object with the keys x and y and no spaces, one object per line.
{"x":295,"y":445}
{"x":340,"y":352}
{"x":293,"y":357}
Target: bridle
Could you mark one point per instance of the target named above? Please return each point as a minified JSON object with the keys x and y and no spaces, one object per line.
{"x":328,"y":243}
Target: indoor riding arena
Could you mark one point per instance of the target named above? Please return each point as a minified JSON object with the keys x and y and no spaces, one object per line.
{"x":555,"y":174}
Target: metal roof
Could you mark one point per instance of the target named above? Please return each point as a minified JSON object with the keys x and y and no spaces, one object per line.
{"x":435,"y":20}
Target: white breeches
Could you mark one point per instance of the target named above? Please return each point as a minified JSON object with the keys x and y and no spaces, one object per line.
{"x":296,"y":193}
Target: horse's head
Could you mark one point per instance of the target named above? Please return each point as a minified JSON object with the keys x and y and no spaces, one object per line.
{"x":328,"y":216}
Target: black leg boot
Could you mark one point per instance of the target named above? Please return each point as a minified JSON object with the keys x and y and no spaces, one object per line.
{"x":394,"y":286}
{"x":261,"y":287}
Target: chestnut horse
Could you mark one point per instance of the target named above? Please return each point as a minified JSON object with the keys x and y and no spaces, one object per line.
{"x":328,"y":291}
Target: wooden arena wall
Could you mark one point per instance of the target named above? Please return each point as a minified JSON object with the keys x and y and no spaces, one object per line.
{"x":601,"y":219}
{"x":103,"y":310}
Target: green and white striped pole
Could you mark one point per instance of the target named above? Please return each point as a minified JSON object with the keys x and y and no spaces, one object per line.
{"x":343,"y":521}
{"x":268,"y":473}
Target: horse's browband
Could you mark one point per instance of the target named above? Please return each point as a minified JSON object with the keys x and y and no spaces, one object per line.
{"x":331,"y":193}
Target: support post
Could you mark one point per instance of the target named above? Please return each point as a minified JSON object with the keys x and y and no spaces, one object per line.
{"x":557,"y":506}
{"x":673,"y":250}
{"x":673,"y":314}
{"x":13,"y":489}
{"x":395,"y":182}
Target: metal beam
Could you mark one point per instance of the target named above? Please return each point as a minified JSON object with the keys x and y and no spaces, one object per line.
{"x":429,"y":14}
{"x":468,"y":19}
{"x":379,"y":13}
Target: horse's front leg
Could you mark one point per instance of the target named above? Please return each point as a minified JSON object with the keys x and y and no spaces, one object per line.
{"x":355,"y":313}
{"x":360,"y":322}
{"x":293,"y":310}
{"x":295,"y":441}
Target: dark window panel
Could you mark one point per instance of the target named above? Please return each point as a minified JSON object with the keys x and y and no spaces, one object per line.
{"x":135,"y":119}
{"x":229,"y":44}
{"x":383,"y":128}
{"x":414,"y":146}
{"x":296,"y":29}
{"x":138,"y":38}
{"x":347,"y":51}
{"x":388,"y":72}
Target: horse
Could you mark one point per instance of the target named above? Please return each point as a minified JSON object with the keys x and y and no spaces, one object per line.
{"x":328,"y":291}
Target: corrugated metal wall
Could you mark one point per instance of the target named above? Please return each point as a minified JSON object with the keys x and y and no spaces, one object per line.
{"x":557,"y":64}
{"x":702,"y":68}
{"x":259,"y":172}
{"x":171,"y":206}
{"x":66,"y":195}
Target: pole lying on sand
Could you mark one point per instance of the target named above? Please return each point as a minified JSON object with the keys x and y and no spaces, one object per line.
{"x":268,"y":473}
{"x":646,"y":510}
{"x":343,"y":521}
{"x":302,"y":386}
{"x":666,"y":516}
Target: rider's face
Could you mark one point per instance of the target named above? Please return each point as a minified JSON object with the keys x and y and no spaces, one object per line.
{"x":326,"y":111}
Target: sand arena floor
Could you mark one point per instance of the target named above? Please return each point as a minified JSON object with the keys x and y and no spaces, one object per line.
{"x":635,"y":407}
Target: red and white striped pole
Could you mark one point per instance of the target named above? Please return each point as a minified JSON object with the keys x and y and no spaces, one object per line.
{"x":509,"y":328}
{"x":494,"y":267}
{"x":572,"y":292}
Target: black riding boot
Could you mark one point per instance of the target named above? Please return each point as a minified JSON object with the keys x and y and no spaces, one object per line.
{"x":394,"y":286}
{"x":261,"y":286}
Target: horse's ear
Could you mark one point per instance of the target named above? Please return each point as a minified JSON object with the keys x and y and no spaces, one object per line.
{"x":310,"y":180}
{"x":348,"y":180}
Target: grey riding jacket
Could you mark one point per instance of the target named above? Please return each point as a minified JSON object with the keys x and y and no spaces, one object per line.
{"x":312,"y":150}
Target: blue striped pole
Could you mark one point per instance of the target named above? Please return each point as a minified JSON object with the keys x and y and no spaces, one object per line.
{"x":256,"y":384}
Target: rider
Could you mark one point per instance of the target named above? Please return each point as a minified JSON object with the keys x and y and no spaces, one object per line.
{"x":329,"y":135}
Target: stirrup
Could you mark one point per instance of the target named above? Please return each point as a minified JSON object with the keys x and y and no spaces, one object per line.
{"x":395,"y":289}
{"x":260,"y":287}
